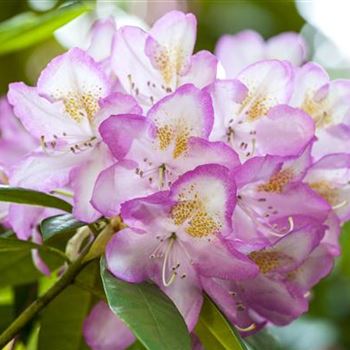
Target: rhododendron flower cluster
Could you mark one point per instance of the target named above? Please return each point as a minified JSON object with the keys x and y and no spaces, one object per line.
{"x":232,"y":185}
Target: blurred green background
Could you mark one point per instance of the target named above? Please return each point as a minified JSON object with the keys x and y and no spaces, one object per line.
{"x":327,"y":324}
{"x":214,"y":19}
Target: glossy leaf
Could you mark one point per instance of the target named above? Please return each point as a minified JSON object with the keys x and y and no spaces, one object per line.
{"x":24,"y":295}
{"x":30,"y":197}
{"x":28,"y":29}
{"x":214,"y":330}
{"x":16,"y":265}
{"x":263,"y":340}
{"x":59,"y":224}
{"x":90,"y":280}
{"x":148,"y":312}
{"x":7,"y":314}
{"x":136,"y":346}
{"x":14,"y":245}
{"x":17,"y":268}
{"x":62,"y":320}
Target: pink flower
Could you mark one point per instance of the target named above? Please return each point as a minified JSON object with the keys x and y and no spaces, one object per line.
{"x":327,"y":102}
{"x":236,"y":187}
{"x":102,"y":33}
{"x":175,"y":237}
{"x":279,"y":294}
{"x":153,"y":152}
{"x":252,"y":115}
{"x":64,"y":112}
{"x":330,"y":178}
{"x":154,"y":64}
{"x":273,"y":201}
{"x":236,"y":52}
{"x":15,"y":141}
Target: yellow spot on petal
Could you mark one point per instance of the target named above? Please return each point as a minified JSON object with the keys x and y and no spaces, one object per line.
{"x":164,"y":65}
{"x":165,"y":136}
{"x":325,"y":190}
{"x":183,"y":211}
{"x":199,"y":222}
{"x":266,"y":260}
{"x":176,"y":135}
{"x":318,"y":110}
{"x":81,"y":107}
{"x":4,"y":180}
{"x":202,"y":225}
{"x":181,"y":143}
{"x":255,"y":107}
{"x":170,"y":62}
{"x":277,"y":181}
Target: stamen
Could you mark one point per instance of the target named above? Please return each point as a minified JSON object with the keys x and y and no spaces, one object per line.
{"x":168,"y":282}
{"x":307,"y":295}
{"x":230,"y":135}
{"x":340,"y":205}
{"x":253,"y":146}
{"x":42,"y":142}
{"x":63,"y":193}
{"x":161,"y":176}
{"x":264,"y":226}
{"x":291,"y":224}
{"x":247,"y":329}
{"x":282,"y":233}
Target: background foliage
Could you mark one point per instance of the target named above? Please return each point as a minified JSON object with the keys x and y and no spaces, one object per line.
{"x":327,"y":324}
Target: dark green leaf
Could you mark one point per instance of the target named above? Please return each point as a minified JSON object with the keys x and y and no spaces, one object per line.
{"x":16,"y":265}
{"x":15,"y":245}
{"x":148,"y":312}
{"x":27,"y":29}
{"x":7,"y":234}
{"x":214,"y":330}
{"x":59,"y":224}
{"x":6,"y":316}
{"x":136,"y":346}
{"x":62,"y":320}
{"x":30,"y":197}
{"x":263,"y":340}
{"x":24,"y":295}
{"x":61,"y":324}
{"x":92,"y":285}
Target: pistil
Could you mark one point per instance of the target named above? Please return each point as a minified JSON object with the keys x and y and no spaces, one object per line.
{"x":168,"y":282}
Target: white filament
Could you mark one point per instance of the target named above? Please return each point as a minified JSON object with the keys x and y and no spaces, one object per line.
{"x":168,"y":282}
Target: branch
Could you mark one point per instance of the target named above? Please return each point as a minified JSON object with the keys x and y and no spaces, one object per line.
{"x":29,"y":313}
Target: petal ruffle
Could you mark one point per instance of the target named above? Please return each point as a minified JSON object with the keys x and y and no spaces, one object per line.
{"x":105,"y":331}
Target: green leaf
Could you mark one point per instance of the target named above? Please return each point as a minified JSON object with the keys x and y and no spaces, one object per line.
{"x":6,"y":316}
{"x":263,"y":340}
{"x":16,"y":265}
{"x":15,"y":245}
{"x":148,"y":312}
{"x":136,"y":346}
{"x":59,"y":224}
{"x":30,"y":197}
{"x":215,"y":331}
{"x":92,"y":285}
{"x":29,"y":28}
{"x":23,"y":296}
{"x":62,"y":320}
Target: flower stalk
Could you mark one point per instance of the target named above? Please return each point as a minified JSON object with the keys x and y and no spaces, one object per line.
{"x":32,"y":310}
